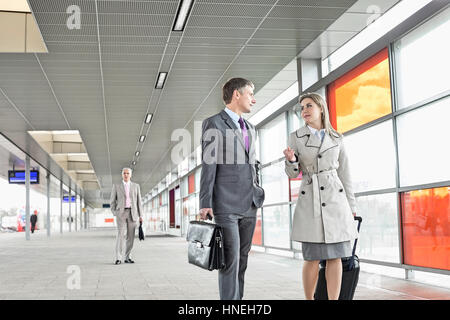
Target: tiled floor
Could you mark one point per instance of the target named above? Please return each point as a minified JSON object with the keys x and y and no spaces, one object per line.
{"x":79,"y":265}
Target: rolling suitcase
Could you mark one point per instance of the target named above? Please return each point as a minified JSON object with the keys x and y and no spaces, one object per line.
{"x":350,"y":275}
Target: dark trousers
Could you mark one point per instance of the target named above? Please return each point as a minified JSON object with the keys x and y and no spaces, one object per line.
{"x":237,"y":233}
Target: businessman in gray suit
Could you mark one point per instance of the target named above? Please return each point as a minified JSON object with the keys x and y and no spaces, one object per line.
{"x":229,"y":183}
{"x":127,"y":208}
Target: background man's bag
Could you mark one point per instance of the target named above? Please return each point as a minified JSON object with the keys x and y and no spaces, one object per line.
{"x":205,"y":248}
{"x":141,"y":232}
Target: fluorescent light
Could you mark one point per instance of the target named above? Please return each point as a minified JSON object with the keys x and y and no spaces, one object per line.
{"x":183,"y":12}
{"x":388,"y":21}
{"x":161,"y":79}
{"x":142,"y":138}
{"x":274,"y":105}
{"x":134,"y":163}
{"x":148,"y":118}
{"x":137,"y":153}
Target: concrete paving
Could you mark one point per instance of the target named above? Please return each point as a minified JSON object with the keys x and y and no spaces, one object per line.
{"x":79,"y":265}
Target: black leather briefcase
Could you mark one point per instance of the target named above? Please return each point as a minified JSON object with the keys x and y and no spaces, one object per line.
{"x":205,"y":248}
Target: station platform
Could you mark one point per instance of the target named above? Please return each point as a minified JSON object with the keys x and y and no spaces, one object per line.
{"x":79,"y":265}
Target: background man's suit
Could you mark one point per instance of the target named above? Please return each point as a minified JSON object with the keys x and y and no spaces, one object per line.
{"x":229,"y":185}
{"x":126,"y":218}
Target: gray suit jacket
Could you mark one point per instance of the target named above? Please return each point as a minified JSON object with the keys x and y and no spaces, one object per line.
{"x":118,"y":200}
{"x":229,"y":180}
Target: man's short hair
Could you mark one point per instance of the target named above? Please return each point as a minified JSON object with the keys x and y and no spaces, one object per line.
{"x":129,"y":169}
{"x":234,"y":84}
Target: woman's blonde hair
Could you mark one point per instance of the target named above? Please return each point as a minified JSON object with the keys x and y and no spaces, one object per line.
{"x":320,"y":101}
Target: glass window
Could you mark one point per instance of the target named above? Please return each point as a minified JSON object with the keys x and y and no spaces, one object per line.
{"x":273,"y":139}
{"x":296,"y":245}
{"x":294,"y":187}
{"x":199,"y":155}
{"x":426,"y":227}
{"x":421,"y":59}
{"x":198,"y":174}
{"x":12,"y":207}
{"x":275,"y":183}
{"x":372,"y":157}
{"x":257,"y":235}
{"x":379,"y":239}
{"x":191,"y":182}
{"x":423,"y":136}
{"x":361,"y":95}
{"x":295,"y":118}
{"x":276,"y":226}
{"x":65,"y":208}
{"x":55,"y":205}
{"x":192,"y":161}
{"x":183,"y":167}
{"x":184,"y":185}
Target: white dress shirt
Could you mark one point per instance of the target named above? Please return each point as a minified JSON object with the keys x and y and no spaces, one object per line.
{"x":127,"y":196}
{"x":318,"y":133}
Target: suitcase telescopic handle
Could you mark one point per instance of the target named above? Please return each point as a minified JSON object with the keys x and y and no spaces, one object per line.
{"x":359,"y":219}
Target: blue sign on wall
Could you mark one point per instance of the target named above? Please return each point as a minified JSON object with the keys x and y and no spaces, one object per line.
{"x":66,"y":199}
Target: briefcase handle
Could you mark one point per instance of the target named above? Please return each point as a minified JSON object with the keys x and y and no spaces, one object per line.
{"x":209,"y":219}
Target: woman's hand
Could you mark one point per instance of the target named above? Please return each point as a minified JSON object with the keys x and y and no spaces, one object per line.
{"x":289,"y":154}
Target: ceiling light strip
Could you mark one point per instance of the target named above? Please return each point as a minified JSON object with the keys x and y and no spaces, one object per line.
{"x":162,"y":76}
{"x":148,"y":118}
{"x":215,"y":85}
{"x":183,"y":13}
{"x":162,"y":90}
{"x":103,"y":91}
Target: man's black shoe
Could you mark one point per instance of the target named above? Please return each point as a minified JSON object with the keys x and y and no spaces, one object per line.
{"x":117,"y":262}
{"x":129,"y":260}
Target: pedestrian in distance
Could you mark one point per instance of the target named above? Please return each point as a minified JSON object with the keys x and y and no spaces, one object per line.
{"x":126,"y":206}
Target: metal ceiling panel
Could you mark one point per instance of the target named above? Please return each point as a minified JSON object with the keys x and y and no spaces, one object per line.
{"x":101,"y":77}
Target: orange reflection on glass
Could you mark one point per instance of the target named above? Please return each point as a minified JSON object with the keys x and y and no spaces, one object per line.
{"x":191,"y":183}
{"x":426,"y":229}
{"x":361,"y":95}
{"x":257,"y":235}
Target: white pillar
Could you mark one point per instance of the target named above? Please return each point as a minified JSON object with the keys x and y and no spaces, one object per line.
{"x":27,"y":200}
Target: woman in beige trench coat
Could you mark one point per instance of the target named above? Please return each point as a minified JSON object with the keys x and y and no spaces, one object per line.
{"x":323,"y":220}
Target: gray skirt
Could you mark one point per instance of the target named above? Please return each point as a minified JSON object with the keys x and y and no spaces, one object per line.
{"x":326,"y":251}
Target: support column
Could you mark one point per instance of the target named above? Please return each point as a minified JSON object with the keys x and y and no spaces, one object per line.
{"x":76,"y":212}
{"x":409,"y":274}
{"x":48,"y":205}
{"x":81,"y":212}
{"x":61,"y":194}
{"x":27,"y":200}
{"x":70,"y":206}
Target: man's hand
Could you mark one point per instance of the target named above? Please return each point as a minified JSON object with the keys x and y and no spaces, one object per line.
{"x":205,"y":212}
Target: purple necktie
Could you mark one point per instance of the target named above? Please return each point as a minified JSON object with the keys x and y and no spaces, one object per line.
{"x":244,"y":132}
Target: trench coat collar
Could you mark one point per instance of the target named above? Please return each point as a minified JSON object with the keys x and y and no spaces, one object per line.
{"x":313,"y":141}
{"x":327,"y":143}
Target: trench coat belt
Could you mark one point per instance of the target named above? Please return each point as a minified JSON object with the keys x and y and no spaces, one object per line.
{"x":316,"y":193}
